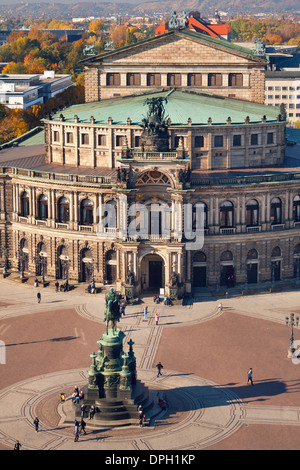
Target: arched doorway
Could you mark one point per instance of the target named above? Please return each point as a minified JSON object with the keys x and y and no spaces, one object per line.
{"x":199,"y":269}
{"x":63,"y":263}
{"x":252,"y":266}
{"x":152,"y":272}
{"x":276,"y":264}
{"x":111,"y":266}
{"x":23,"y":255}
{"x":41,"y":268}
{"x":87,"y":267}
{"x":227,"y":269}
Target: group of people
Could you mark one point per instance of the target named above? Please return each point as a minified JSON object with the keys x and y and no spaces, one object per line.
{"x":63,"y":287}
{"x":91,"y":288}
{"x":77,"y":395}
{"x":168,"y":301}
{"x":78,"y":428}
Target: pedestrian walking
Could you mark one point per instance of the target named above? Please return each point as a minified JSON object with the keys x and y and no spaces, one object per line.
{"x":250,"y":376}
{"x":82,"y":426}
{"x":145,"y":312}
{"x":220,"y":307}
{"x":62,"y":397}
{"x":159,"y":368}
{"x":92,"y":412}
{"x":83,"y":408}
{"x":56,"y":286}
{"x":156,"y":318}
{"x":17,"y":445}
{"x":76,"y":430}
{"x":39,"y":297}
{"x":36,"y":423}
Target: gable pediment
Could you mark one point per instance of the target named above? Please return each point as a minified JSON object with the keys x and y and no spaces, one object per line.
{"x":178,"y":48}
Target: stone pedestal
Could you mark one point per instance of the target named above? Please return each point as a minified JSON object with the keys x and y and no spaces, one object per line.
{"x":113,"y":388}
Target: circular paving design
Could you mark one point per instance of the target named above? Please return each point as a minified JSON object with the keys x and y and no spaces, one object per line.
{"x":200,"y":413}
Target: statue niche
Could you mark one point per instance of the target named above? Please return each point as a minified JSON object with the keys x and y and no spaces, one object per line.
{"x":155,"y":136}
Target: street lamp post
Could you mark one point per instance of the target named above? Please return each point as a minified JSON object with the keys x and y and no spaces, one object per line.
{"x":291,"y":321}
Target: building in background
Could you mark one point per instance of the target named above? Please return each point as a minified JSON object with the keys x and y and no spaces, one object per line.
{"x":21,"y":91}
{"x":213,"y":27}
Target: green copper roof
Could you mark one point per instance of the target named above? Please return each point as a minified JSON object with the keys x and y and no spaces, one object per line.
{"x":181,"y":106}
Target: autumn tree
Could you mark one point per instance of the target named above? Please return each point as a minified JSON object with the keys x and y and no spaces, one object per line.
{"x":118,"y":35}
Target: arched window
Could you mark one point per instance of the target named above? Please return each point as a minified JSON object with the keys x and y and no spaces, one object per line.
{"x":42,"y":249}
{"x":24,"y":204}
{"x":63,"y":210}
{"x":276,"y":252}
{"x":110,"y":215}
{"x":43,"y":207}
{"x":296,"y":209}
{"x":252,"y":210}
{"x":199,"y":257}
{"x":276,"y":211}
{"x":195,"y":222}
{"x":252,"y":254}
{"x":86,"y":212}
{"x":226,"y":215}
{"x":226,"y":256}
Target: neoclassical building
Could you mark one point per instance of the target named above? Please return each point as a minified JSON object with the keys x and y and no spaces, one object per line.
{"x":112,"y":192}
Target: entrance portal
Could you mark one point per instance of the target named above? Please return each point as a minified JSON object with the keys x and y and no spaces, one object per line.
{"x":152,"y":272}
{"x":155,"y":274}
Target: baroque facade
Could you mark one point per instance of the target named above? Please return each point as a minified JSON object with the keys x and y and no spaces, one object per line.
{"x":108,"y":166}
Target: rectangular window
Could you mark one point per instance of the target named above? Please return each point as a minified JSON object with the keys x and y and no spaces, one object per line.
{"x":120,"y":140}
{"x":101,"y":140}
{"x":237,"y":140}
{"x":214,"y":79}
{"x":270,"y":97}
{"x":199,"y":141}
{"x":113,"y":79}
{"x":277,"y":97}
{"x":133,"y":79}
{"x":56,"y":136}
{"x":84,"y":139}
{"x":153,"y":79}
{"x":194,"y":79}
{"x":254,"y":139}
{"x":218,"y":141}
{"x":174,"y":79}
{"x":137,"y":141}
{"x":69,"y":138}
{"x":270,"y":138}
{"x":235,"y":79}
{"x":277,"y":88}
{"x":270,"y":88}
